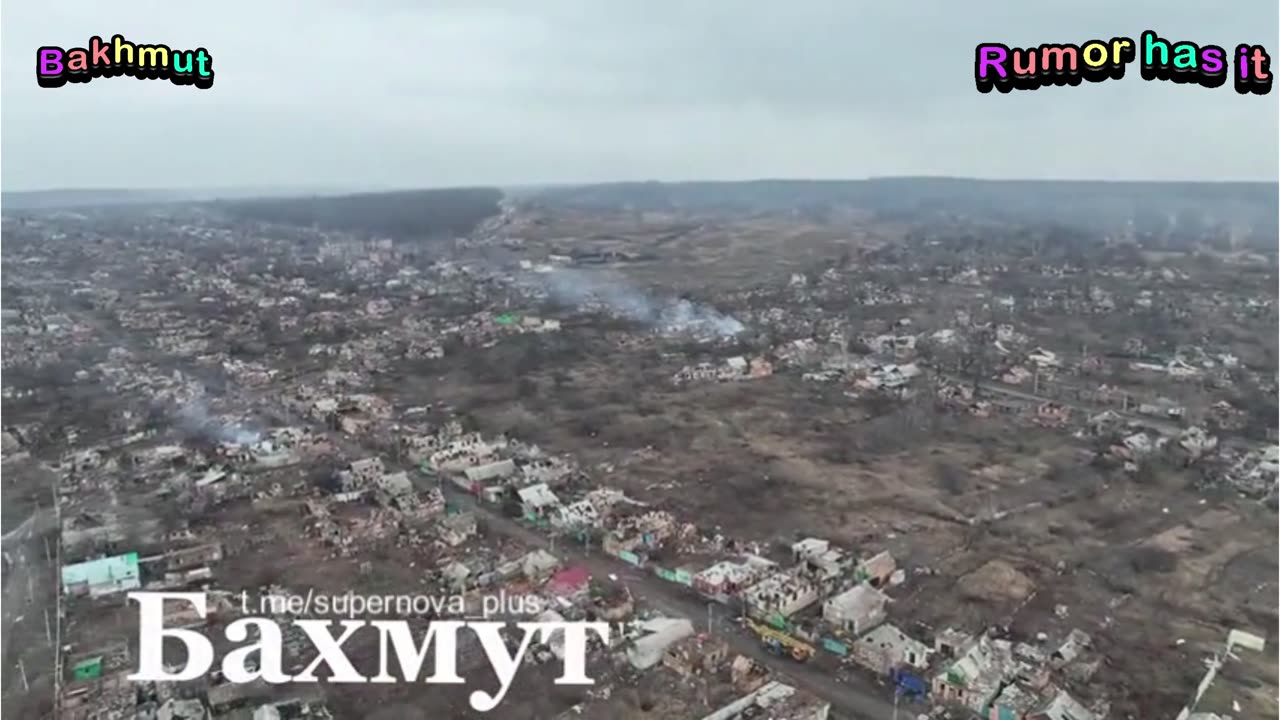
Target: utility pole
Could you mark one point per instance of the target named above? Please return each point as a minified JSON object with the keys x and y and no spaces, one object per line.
{"x":1235,"y":638}
{"x":22,"y":669}
{"x":57,"y":620}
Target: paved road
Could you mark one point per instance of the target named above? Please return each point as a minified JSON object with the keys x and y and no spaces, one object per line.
{"x":855,"y":699}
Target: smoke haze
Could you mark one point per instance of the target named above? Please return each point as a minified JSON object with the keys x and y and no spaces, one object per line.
{"x":194,"y":418}
{"x":614,"y":294}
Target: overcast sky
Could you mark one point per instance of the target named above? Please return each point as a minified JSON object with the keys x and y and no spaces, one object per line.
{"x":405,"y":93}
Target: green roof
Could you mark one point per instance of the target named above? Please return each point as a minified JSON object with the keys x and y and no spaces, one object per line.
{"x":88,"y":668}
{"x":506,"y":319}
{"x":119,"y":572}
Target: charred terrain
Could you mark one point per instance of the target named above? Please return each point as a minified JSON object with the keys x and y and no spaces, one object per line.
{"x":990,"y":447}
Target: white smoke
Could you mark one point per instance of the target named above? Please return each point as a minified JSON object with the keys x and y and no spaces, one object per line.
{"x":675,"y":316}
{"x":194,"y":417}
{"x":685,"y":316}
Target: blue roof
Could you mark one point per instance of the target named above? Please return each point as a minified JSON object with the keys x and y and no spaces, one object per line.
{"x":121,"y":570}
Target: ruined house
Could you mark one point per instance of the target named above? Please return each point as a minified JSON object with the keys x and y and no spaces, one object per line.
{"x":1015,"y":702}
{"x":885,"y":648}
{"x":576,"y":516}
{"x":1043,"y":359}
{"x":821,"y":562}
{"x":702,"y":372}
{"x":205,"y":554}
{"x":746,"y":674}
{"x":538,"y":500}
{"x":457,"y":528}
{"x":646,"y":530}
{"x":653,"y":638}
{"x":395,"y":490}
{"x":728,"y":578}
{"x":1105,"y":423}
{"x":489,"y":472}
{"x":1197,"y":442}
{"x":1062,"y":706}
{"x":538,"y":564}
{"x":696,"y":655}
{"x":361,"y":474}
{"x":856,"y":610}
{"x":469,"y":450}
{"x":774,"y":700}
{"x":550,"y":471}
{"x":1162,"y":407}
{"x":782,"y":593}
{"x":418,"y":448}
{"x":877,"y":569}
{"x":978,"y":674}
{"x":1052,"y":414}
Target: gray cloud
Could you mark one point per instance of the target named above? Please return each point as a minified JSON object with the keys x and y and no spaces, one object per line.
{"x":398,"y":93}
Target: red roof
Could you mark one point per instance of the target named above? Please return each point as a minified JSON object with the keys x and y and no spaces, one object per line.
{"x":569,"y":580}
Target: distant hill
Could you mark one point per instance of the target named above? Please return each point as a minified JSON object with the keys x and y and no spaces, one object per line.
{"x":56,"y":199}
{"x":1092,"y":204}
{"x":400,"y":214}
{"x":903,"y":193}
{"x":105,"y":197}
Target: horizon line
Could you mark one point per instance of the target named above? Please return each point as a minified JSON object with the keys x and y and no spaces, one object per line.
{"x":356,"y":189}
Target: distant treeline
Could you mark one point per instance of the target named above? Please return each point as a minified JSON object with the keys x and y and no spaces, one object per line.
{"x":401,"y":214}
{"x":1151,"y":207}
{"x":23,"y":200}
{"x":95,"y":198}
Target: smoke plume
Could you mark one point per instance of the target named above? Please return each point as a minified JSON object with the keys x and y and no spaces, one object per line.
{"x":590,"y":291}
{"x":194,"y":418}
